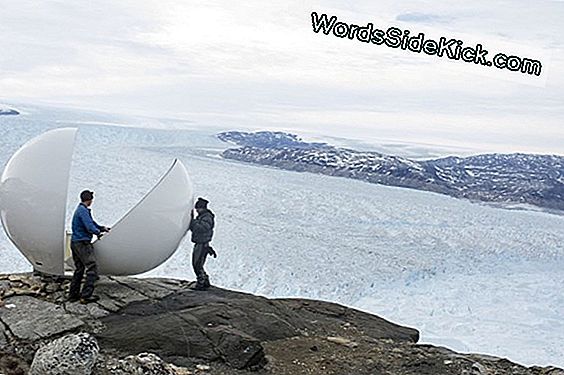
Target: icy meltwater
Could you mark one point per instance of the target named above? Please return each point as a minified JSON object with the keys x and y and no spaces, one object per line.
{"x":468,"y":276}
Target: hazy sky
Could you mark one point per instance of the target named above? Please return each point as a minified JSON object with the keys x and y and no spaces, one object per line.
{"x":259,"y":64}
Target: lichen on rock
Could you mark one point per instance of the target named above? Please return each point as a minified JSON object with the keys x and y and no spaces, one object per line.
{"x":74,"y":354}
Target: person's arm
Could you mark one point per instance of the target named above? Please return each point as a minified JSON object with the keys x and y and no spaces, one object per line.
{"x":89,"y":224}
{"x":194,"y":216}
{"x":190,"y":226}
{"x":101,"y":228}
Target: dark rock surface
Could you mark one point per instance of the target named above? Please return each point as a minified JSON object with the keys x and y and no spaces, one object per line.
{"x":182,"y":331}
{"x":501,"y":178}
{"x":8,"y":112}
{"x":222,"y":325}
{"x":29,"y":318}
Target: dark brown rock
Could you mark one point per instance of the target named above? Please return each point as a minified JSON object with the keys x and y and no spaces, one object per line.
{"x":236,"y":348}
{"x":11,"y":364}
{"x":230,"y":326}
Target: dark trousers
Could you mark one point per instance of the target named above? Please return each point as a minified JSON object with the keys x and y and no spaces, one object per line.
{"x":198,"y":260}
{"x":84,"y":260}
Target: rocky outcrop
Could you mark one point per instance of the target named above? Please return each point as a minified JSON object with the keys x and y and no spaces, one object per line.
{"x":142,"y":364}
{"x":30,"y":318}
{"x":220,"y":325}
{"x":162,"y":326}
{"x":68,"y":355}
{"x":8,"y":112}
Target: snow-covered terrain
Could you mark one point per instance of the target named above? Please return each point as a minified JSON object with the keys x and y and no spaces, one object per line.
{"x":471,"y":277}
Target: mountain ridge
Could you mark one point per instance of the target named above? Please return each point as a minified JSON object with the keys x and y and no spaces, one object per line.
{"x":517,"y":178}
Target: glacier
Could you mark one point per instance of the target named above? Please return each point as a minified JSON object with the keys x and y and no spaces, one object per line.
{"x":471,"y":277}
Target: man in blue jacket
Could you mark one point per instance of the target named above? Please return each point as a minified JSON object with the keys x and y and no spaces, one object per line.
{"x":83,"y":228}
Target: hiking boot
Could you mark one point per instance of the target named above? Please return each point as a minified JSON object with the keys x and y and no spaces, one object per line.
{"x":85,"y":300}
{"x":73,"y":299}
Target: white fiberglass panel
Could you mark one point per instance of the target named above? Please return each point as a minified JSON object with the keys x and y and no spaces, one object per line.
{"x":151,"y":232}
{"x":33,"y":195}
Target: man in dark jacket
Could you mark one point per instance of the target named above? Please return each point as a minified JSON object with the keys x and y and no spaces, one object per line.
{"x":83,"y":228}
{"x":201,"y":226}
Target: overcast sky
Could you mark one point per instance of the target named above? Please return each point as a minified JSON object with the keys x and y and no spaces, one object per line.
{"x":259,"y":64}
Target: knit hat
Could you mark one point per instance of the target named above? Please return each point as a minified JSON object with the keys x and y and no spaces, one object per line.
{"x":201,"y":203}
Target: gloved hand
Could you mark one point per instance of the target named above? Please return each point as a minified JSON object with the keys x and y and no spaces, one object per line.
{"x":212,"y":252}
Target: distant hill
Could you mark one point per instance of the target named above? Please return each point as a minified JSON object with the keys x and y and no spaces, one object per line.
{"x":8,"y":112}
{"x":502,"y":178}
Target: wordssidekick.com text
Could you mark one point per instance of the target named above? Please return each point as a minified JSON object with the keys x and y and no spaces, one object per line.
{"x":395,"y":37}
